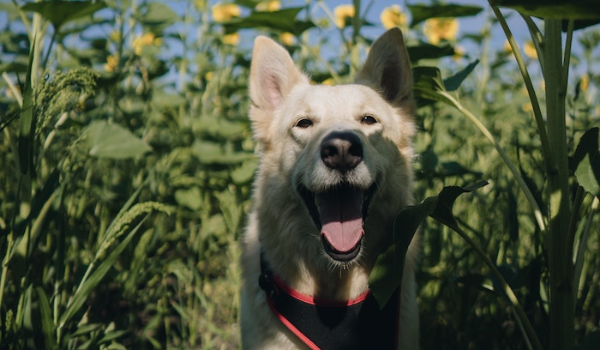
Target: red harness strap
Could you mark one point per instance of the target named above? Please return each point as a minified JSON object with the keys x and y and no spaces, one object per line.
{"x":331,"y":325}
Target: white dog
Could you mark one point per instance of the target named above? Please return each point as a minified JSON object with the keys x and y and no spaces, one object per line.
{"x":335,"y":169}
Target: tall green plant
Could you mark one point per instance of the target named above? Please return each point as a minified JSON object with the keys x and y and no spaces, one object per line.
{"x":566,"y":181}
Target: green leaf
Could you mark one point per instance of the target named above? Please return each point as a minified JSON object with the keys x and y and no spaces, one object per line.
{"x":157,"y":15}
{"x":47,"y":321}
{"x":588,"y":173}
{"x":189,"y":197}
{"x":282,"y":20}
{"x":428,"y":51}
{"x":558,"y":9}
{"x":386,"y":276}
{"x":446,"y":198}
{"x":589,"y":143}
{"x":59,"y":12}
{"x":27,"y":119}
{"x":421,"y":13}
{"x":452,"y":83}
{"x":586,"y":161}
{"x":96,"y":277}
{"x":244,"y":173}
{"x":427,"y":81}
{"x":113,"y":141}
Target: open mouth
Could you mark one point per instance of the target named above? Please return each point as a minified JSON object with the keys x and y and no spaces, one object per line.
{"x":339,"y":213}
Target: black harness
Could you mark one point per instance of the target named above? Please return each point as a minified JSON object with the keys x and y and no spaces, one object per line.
{"x":331,"y":325}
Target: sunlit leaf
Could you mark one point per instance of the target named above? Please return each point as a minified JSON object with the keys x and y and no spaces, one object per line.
{"x":588,"y":173}
{"x":114,"y":141}
{"x":586,"y":161}
{"x":422,"y":13}
{"x":157,"y":14}
{"x":189,"y":197}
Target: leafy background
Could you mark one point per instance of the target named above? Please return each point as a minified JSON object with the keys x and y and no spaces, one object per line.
{"x":128,"y":160}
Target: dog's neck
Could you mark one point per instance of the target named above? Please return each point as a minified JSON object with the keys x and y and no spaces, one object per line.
{"x":339,"y":283}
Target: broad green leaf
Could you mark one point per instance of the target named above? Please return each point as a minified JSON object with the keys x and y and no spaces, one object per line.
{"x":428,"y":51}
{"x":586,"y":161}
{"x":588,"y":173}
{"x":386,"y":276}
{"x":421,"y":13}
{"x":446,"y":198}
{"x":427,"y":81}
{"x":558,"y":9}
{"x":113,"y":141}
{"x":189,"y":197}
{"x":452,"y":83}
{"x":589,"y":143}
{"x":209,"y":152}
{"x":282,"y":20}
{"x":59,"y":12}
{"x":48,"y":327}
{"x":157,"y":15}
{"x":244,"y":173}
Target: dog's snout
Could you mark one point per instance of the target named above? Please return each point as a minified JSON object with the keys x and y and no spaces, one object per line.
{"x":342,"y":151}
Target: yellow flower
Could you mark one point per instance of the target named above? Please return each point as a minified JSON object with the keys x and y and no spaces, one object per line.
{"x":268,"y":6}
{"x":209,"y":76}
{"x":527,"y":107}
{"x":287,"y":38}
{"x":111,"y":63}
{"x":458,"y":53}
{"x":145,"y":40}
{"x":437,"y":29}
{"x":115,"y":36}
{"x":225,"y":12}
{"x":231,"y":39}
{"x":507,"y":48}
{"x":341,"y":13}
{"x":328,"y":81}
{"x":529,"y":50}
{"x":393,"y":17}
{"x":584,"y":83}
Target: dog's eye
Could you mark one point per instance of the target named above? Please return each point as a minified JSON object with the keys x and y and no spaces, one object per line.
{"x":304,"y":123}
{"x":368,"y":120}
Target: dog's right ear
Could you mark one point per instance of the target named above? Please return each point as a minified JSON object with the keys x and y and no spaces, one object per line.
{"x":272,"y":76}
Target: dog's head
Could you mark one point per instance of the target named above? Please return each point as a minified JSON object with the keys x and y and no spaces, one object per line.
{"x":335,"y":160}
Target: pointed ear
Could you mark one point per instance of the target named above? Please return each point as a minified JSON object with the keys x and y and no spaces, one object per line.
{"x":272,"y":76}
{"x":387,"y":68}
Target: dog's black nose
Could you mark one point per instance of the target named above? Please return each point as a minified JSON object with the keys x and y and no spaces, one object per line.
{"x":341,"y":151}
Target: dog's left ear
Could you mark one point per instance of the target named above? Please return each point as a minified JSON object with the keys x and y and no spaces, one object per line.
{"x":387,"y":68}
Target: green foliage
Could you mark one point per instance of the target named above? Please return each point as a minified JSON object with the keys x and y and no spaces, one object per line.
{"x":128,"y":159}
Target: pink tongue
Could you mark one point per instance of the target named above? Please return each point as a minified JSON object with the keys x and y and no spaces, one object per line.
{"x":341,"y":218}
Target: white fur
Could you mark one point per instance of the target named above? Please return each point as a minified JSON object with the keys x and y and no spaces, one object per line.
{"x":279,"y":223}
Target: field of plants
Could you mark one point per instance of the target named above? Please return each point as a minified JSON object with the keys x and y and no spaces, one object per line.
{"x":127,"y":161}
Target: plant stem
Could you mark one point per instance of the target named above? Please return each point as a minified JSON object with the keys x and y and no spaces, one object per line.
{"x":537,"y":112}
{"x":562,"y":302}
{"x":531,"y":338}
